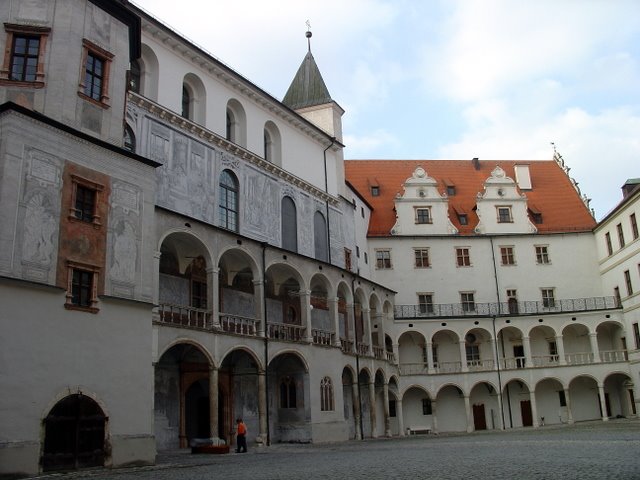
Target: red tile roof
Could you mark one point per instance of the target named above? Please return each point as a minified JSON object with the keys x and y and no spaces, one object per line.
{"x":552,"y":194}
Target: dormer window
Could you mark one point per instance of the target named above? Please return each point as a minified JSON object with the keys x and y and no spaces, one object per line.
{"x":536,"y":215}
{"x":451,"y":190}
{"x":423,"y":215}
{"x":504,"y":215}
{"x":375,"y":191}
{"x":463,"y":219}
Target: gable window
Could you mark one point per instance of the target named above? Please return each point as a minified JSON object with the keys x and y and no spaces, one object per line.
{"x":95,"y":82}
{"x":288,"y":393}
{"x":289,"y":226}
{"x":463,"y":258}
{"x":627,"y":281}
{"x":24,"y":59}
{"x":463,"y":219}
{"x":326,"y":395}
{"x":425,"y":302}
{"x":504,"y":215}
{"x":468,"y":302}
{"x":542,"y":255}
{"x":507,"y":256}
{"x":375,"y":191}
{"x":620,"y":235}
{"x":320,"y":236}
{"x":422,"y":257}
{"x":383,"y":259}
{"x":634,"y":226}
{"x":548,"y":298}
{"x":451,"y":190}
{"x":82,"y":287}
{"x":423,"y":215}
{"x":228,"y":206}
{"x":607,"y":238}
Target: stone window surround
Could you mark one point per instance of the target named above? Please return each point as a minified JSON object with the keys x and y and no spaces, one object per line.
{"x":95,"y":270}
{"x":98,"y":188}
{"x":106,"y":57}
{"x":15,"y":29}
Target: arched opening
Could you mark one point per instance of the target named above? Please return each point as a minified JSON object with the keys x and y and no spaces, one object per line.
{"x":228,"y":205}
{"x":320,"y":240}
{"x":272,"y":143}
{"x":417,"y":410}
{"x":412,"y":353}
{"x":74,"y":435}
{"x":445,"y":350}
{"x":517,"y":404}
{"x":289,"y":405}
{"x":236,"y":123}
{"x":451,"y":409}
{"x":238,"y":306}
{"x":129,"y":139}
{"x":485,"y":408}
{"x":551,"y":402}
{"x":286,"y":315}
{"x":289,"y":225}
{"x":193,"y":104}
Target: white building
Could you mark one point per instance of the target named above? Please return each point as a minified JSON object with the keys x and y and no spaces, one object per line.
{"x":179,"y":249}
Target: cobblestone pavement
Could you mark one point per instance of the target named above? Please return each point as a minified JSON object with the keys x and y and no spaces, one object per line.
{"x":593,"y":450}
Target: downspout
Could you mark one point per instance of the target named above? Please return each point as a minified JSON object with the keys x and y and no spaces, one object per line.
{"x":326,"y":203}
{"x":495,"y":277}
{"x":266,"y":340}
{"x":355,"y":346}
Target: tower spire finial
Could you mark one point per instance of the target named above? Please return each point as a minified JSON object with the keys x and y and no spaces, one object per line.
{"x":308,"y":34}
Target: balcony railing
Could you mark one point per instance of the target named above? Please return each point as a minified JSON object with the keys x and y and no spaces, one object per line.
{"x":347,"y":346}
{"x":582,"y":358}
{"x":184,"y":316}
{"x":447,"y":367}
{"x":480,"y":365}
{"x":545,"y":360}
{"x":413,"y":369}
{"x":238,"y":324}
{"x":363,"y":349}
{"x":322,"y":337}
{"x":285,"y":331}
{"x":505,"y":308}
{"x":612,"y":356}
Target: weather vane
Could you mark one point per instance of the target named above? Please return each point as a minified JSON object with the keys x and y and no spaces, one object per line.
{"x":308,"y":34}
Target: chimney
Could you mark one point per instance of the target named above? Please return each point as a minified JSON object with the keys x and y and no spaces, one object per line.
{"x":476,"y":163}
{"x":630,"y":186}
{"x":523,"y":177}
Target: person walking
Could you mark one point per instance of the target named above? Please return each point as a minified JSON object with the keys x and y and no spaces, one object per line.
{"x":241,"y":439}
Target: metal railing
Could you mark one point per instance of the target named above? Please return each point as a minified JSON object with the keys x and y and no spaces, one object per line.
{"x":238,"y":324}
{"x":184,"y":316}
{"x":505,"y":308}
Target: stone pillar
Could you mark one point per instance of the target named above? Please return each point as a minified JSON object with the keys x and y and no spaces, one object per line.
{"x":463,"y":356}
{"x":568,"y":402}
{"x":560,"y":346}
{"x":258,"y":308}
{"x":213,"y":401}
{"x":400,"y":418}
{"x":430,"y":366}
{"x":155,"y":294}
{"x":467,"y":408}
{"x":396,"y":352}
{"x":434,"y":417}
{"x":500,"y":407}
{"x":603,"y":403}
{"x":379,"y":319}
{"x":366,"y":321}
{"x":335,"y":319}
{"x":305,"y":310}
{"x":213,"y":297}
{"x":534,"y":408}
{"x":372,"y":410}
{"x":387,"y":419}
{"x":593,"y":338}
{"x":526,"y":345}
{"x":356,"y":408}
{"x":350,"y":330}
{"x":262,"y":407}
{"x":494,"y":356}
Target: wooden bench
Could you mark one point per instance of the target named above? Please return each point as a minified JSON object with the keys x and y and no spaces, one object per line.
{"x":418,"y":430}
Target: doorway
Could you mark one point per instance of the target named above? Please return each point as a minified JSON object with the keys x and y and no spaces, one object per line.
{"x":525,"y":412}
{"x":479,"y":417}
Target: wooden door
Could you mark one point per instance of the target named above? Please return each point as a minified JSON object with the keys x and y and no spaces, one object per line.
{"x":525,"y":411}
{"x":479,"y":419}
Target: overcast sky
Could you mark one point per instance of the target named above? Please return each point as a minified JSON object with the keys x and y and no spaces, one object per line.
{"x":494,"y":79}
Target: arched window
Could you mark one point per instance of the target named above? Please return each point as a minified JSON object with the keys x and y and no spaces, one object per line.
{"x":236,"y":123}
{"x":134,"y":76}
{"x":289,"y":225}
{"x":129,"y":139}
{"x":230,"y":126}
{"x":267,"y":146}
{"x":288,"y":392}
{"x":272,"y":143}
{"x":228,"y":201}
{"x":186,"y":101}
{"x":326,"y":395}
{"x":320,"y":236}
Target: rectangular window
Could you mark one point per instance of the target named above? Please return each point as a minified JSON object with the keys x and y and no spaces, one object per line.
{"x":426,"y":406}
{"x":383,"y":259}
{"x":507,"y":256}
{"x":366,"y":258}
{"x":620,"y":235}
{"x":627,"y":281}
{"x":463,"y":258}
{"x":81,"y":287}
{"x":634,"y":226}
{"x":548,"y":298}
{"x":198,"y":294}
{"x":607,"y":238}
{"x":504,"y":215}
{"x":636,"y":335}
{"x":357,"y":251}
{"x":94,"y":71}
{"x":24,"y":58}
{"x":616,"y":293}
{"x":375,"y":191}
{"x":451,"y":190}
{"x":85,"y":203}
{"x":422,"y":257}
{"x":423,"y":215}
{"x":473,"y":354}
{"x":467,"y":301}
{"x":542,"y":255}
{"x":434,"y":354}
{"x":463,"y":219}
{"x":95,"y":75}
{"x":425,"y":302}
{"x":553,"y":348}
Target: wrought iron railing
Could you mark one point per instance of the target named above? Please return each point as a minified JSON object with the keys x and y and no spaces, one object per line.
{"x":528,"y":307}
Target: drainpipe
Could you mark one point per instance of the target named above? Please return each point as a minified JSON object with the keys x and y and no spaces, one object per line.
{"x":355,"y":346}
{"x":326,"y":203}
{"x":266,"y":340}
{"x":495,"y":277}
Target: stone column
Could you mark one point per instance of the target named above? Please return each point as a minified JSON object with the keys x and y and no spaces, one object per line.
{"x":350,"y":330}
{"x":387,"y":419}
{"x":568,"y":402}
{"x":463,"y":356}
{"x":494,"y":356}
{"x":305,"y":310}
{"x":603,"y":403}
{"x":372,"y":410}
{"x":534,"y":408}
{"x":434,"y":417}
{"x":356,"y":408}
{"x":213,"y":296}
{"x":430,"y":366}
{"x":593,"y":338}
{"x":467,"y":408}
{"x":366,"y":321}
{"x":379,"y":319}
{"x":401,"y":431}
{"x":213,"y":401}
{"x":258,"y":308}
{"x":262,"y":407}
{"x":335,"y":319}
{"x":396,"y":352}
{"x":526,"y":345}
{"x":560,"y":346}
{"x":155,"y":294}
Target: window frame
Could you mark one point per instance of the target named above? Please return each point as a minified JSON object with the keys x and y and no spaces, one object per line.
{"x":627,"y":281}
{"x":634,"y":226}
{"x":90,"y":48}
{"x":84,"y":183}
{"x":468,"y":302}
{"x":383,"y":259}
{"x":226,"y":192}
{"x":327,"y":403}
{"x":422,"y":216}
{"x":12,"y":32}
{"x":425,"y":302}
{"x":548,"y":297}
{"x":542,"y":254}
{"x":636,"y":334}
{"x":507,"y":255}
{"x":420,"y":255}
{"x":93,"y":272}
{"x":463,"y":256}
{"x":502,"y":218}
{"x":620,"y":231}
